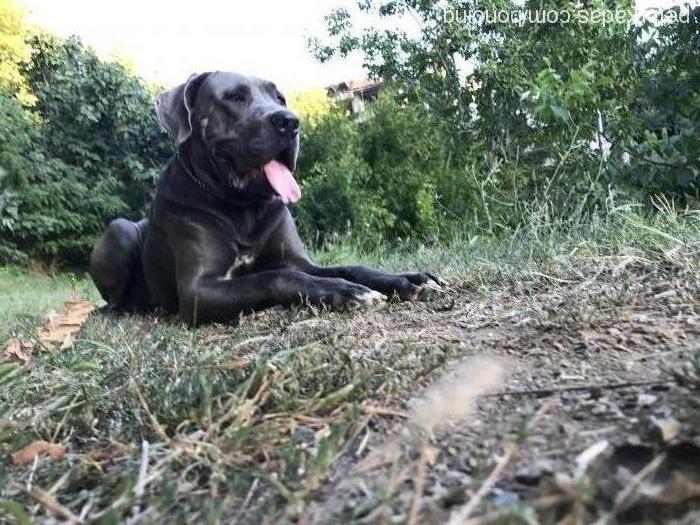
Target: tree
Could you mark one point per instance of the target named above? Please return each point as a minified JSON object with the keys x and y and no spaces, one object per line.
{"x":538,"y":89}
{"x":310,"y":105}
{"x":13,"y":51}
{"x":659,"y":132}
{"x":99,"y":117}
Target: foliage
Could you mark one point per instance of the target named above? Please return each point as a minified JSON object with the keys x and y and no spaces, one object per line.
{"x":13,"y":50}
{"x":97,"y":116}
{"x":89,"y":151}
{"x":529,"y":113}
{"x":659,"y":135}
{"x":310,"y":105}
{"x":379,"y":177}
{"x":47,"y":207}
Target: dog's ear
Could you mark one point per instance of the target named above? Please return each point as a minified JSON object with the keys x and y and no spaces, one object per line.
{"x":174,"y":108}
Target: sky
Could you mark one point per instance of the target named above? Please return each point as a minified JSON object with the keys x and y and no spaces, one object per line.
{"x":167,"y":40}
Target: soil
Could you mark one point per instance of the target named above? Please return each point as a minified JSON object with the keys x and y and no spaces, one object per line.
{"x":594,"y":357}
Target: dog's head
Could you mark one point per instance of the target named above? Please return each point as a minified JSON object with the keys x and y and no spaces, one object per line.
{"x":243,"y":126}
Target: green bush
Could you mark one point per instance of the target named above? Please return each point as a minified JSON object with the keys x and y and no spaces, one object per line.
{"x":384,"y":176}
{"x":89,"y":151}
{"x":48,"y":209}
{"x":98,"y":116}
{"x":660,"y":133}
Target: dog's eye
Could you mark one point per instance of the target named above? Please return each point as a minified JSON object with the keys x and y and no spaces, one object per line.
{"x":234,"y":96}
{"x":281,"y":100}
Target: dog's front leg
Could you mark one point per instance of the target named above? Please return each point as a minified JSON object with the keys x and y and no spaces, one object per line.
{"x":406,"y":285}
{"x":218,"y":300}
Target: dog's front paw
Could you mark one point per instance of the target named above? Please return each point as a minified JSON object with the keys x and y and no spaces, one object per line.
{"x":426,"y":279}
{"x":371,"y":297}
{"x":341,"y":293}
{"x":418,"y":286}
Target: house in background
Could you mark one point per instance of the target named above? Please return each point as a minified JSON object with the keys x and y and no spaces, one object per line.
{"x":355,"y":93}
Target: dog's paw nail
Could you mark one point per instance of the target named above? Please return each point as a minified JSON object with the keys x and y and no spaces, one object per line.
{"x":439,"y":280}
{"x":432,"y":285}
{"x":429,"y":291}
{"x":371,"y":297}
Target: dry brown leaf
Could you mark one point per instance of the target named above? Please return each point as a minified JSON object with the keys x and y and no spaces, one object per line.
{"x":19,"y":350}
{"x":109,"y":453}
{"x":62,"y":327}
{"x":28,"y":453}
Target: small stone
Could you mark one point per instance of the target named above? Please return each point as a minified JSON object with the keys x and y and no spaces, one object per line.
{"x":665,"y":429}
{"x":532,"y":475}
{"x":645,"y":400}
{"x":455,"y":496}
{"x":505,"y":498}
{"x":599,"y":409}
{"x":568,"y":429}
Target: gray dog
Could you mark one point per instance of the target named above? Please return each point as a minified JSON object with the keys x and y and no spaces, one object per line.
{"x":220,"y":239}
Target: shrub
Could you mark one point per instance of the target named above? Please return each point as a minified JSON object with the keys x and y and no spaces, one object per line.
{"x":97,"y":116}
{"x":88,"y":151}
{"x":48,"y":211}
{"x":384,"y":176}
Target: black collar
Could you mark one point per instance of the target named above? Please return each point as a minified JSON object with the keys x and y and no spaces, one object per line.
{"x":192,"y":174}
{"x":214,"y":192}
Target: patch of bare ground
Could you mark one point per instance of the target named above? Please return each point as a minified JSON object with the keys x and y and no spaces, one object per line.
{"x":589,"y":355}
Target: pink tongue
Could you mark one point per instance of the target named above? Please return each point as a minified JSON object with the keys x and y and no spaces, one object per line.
{"x":281,"y":179}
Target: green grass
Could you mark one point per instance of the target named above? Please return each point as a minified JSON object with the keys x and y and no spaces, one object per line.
{"x":26,"y":295}
{"x":494,"y":260}
{"x":246,"y":420}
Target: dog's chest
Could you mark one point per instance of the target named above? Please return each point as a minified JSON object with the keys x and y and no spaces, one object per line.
{"x":247,"y":236}
{"x":242,"y":264}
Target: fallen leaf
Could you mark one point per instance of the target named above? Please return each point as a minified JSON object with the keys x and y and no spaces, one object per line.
{"x":62,"y":327}
{"x":37,"y":448}
{"x":645,"y":400}
{"x":19,"y":350}
{"x":110,"y":452}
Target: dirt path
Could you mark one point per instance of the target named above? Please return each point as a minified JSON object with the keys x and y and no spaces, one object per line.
{"x":593,"y":356}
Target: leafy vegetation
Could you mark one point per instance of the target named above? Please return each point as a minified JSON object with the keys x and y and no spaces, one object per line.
{"x":13,"y":51}
{"x":87,"y":150}
{"x":554,"y":120}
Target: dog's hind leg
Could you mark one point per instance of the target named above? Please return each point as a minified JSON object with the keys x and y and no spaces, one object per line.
{"x":116,"y":267}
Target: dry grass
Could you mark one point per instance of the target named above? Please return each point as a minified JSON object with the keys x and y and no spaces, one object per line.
{"x":287,"y":415}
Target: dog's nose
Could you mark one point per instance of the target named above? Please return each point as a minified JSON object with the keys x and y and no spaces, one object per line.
{"x":285,"y":122}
